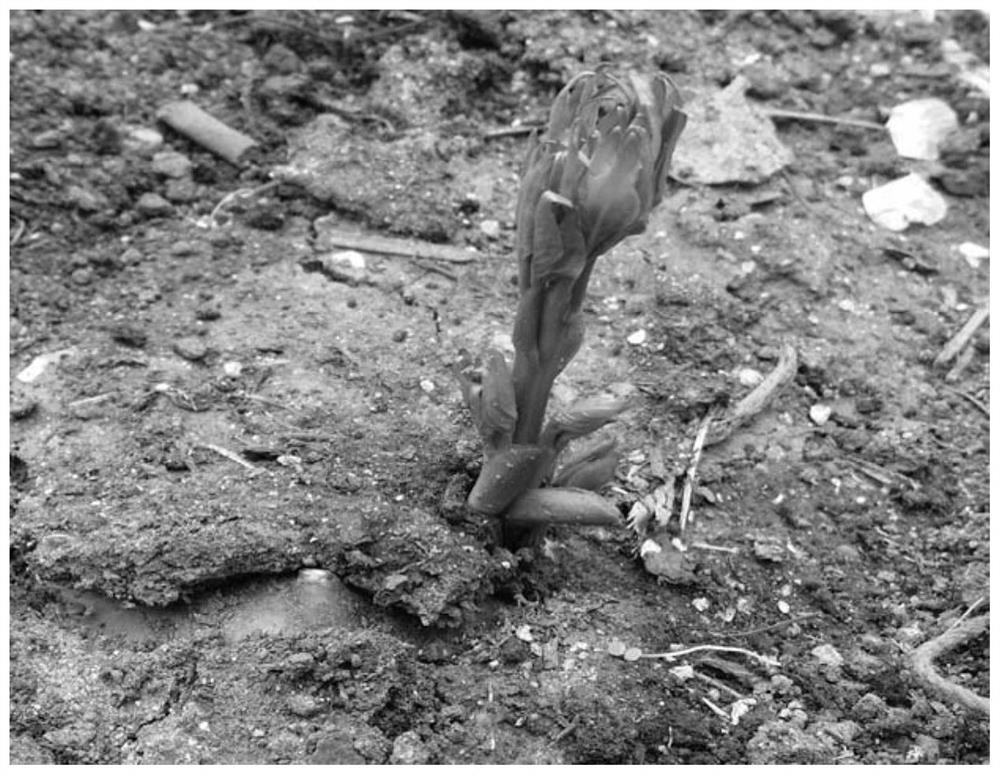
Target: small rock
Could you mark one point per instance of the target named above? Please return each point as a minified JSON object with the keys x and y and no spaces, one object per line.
{"x":783,"y":742}
{"x":637,"y":338}
{"x":925,"y":749}
{"x":514,"y":651}
{"x":346,"y":266}
{"x":207,"y":314}
{"x":303,"y":705}
{"x":131,"y":257}
{"x":232,"y":368}
{"x":281,"y":59}
{"x":766,"y":82}
{"x":826,"y":654}
{"x":191,"y":348}
{"x":51,"y":138}
{"x":491,"y":228}
{"x":82,"y":276}
{"x":918,"y":127}
{"x":880,"y":70}
{"x":870,"y":707}
{"x":181,"y":190}
{"x":769,"y":550}
{"x":973,"y":253}
{"x":22,"y":407}
{"x":265,"y":218}
{"x":171,"y":164}
{"x":408,"y":748}
{"x":898,"y":203}
{"x":748,"y":377}
{"x":820,"y":413}
{"x":400,"y":335}
{"x":183,"y":248}
{"x":335,"y":748}
{"x":862,"y":665}
{"x":153,"y":205}
{"x":40,"y":363}
{"x":129,"y":334}
{"x":141,"y":140}
{"x":86,"y":200}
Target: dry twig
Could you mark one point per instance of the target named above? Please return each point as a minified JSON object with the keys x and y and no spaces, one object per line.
{"x":972,"y":400}
{"x":671,"y":655}
{"x":230,"y":455}
{"x":922,"y":663}
{"x":821,"y":118}
{"x":391,"y":246}
{"x":692,"y":470}
{"x":240,"y":193}
{"x":954,"y":345}
{"x":754,"y":402}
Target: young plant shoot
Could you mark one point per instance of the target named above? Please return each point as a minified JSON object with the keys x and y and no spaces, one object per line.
{"x":591,"y":180}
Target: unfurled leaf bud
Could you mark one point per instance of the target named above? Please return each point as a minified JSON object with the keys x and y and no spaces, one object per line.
{"x":591,"y":181}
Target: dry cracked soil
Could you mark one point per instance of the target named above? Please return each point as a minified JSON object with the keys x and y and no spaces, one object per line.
{"x":239,"y":454}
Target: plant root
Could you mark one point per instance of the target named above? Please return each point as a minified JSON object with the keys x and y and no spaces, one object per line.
{"x":922,"y":664}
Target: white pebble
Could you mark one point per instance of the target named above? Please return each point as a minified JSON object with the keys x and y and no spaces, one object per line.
{"x":637,"y":337}
{"x":820,"y":413}
{"x":749,"y":377}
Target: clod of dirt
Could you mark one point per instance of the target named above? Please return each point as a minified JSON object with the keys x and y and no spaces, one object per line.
{"x":727,"y":140}
{"x":335,"y":166}
{"x":414,"y":562}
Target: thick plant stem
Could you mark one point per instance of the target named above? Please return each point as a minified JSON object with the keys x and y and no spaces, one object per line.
{"x":531,"y":388}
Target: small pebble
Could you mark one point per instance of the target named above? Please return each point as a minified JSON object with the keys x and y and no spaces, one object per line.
{"x":153,"y":205}
{"x":171,"y":164}
{"x":191,"y":348}
{"x":232,"y":368}
{"x":82,"y":276}
{"x":86,"y":199}
{"x":181,"y":190}
{"x":880,"y":70}
{"x":826,"y":654}
{"x":129,"y":334}
{"x":303,"y":705}
{"x":131,"y":256}
{"x":749,"y":377}
{"x":820,"y":413}
{"x":141,"y":140}
{"x":183,"y":248}
{"x":345,"y":266}
{"x":637,"y":337}
{"x":51,"y":138}
{"x":22,"y":407}
{"x":490,"y":228}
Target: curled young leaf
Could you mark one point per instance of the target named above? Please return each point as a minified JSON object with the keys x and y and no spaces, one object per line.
{"x":507,"y":474}
{"x":581,"y":418}
{"x":562,"y":506}
{"x":498,"y":410}
{"x":591,"y":468}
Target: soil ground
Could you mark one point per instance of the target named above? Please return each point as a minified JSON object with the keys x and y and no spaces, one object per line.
{"x":237,"y":471}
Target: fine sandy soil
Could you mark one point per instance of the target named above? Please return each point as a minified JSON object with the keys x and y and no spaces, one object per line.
{"x":239,"y":457}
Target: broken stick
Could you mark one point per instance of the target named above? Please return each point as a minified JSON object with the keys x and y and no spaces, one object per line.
{"x":195,"y":124}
